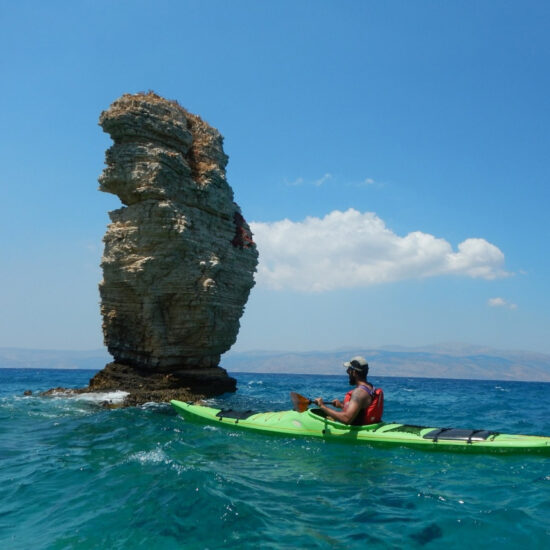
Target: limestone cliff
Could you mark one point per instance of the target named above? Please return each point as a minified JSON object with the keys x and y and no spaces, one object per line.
{"x":179,"y":257}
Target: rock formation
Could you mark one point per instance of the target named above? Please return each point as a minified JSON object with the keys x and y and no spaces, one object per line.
{"x":179,"y":257}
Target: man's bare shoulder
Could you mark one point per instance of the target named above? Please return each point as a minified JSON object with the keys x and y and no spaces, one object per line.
{"x":360,"y":395}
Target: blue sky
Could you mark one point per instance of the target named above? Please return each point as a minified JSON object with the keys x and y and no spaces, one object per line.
{"x":404,"y":143}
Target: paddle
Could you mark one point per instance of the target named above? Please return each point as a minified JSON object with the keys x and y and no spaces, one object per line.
{"x":300,"y":402}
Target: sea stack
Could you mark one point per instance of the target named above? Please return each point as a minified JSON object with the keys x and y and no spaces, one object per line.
{"x":179,"y":258}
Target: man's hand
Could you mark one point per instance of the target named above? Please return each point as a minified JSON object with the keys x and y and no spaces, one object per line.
{"x":319,"y":401}
{"x":337,"y":403}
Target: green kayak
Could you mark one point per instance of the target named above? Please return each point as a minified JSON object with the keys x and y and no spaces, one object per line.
{"x":312,"y":423}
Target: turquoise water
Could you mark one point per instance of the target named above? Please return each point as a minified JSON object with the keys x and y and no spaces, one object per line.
{"x":73,"y":475}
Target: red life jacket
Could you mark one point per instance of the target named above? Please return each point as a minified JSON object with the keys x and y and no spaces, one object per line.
{"x":373,"y":413}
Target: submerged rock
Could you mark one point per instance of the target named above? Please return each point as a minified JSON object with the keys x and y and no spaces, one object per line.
{"x":179,"y":258}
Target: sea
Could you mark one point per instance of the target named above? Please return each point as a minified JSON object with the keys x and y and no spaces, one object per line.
{"x":76,"y":475}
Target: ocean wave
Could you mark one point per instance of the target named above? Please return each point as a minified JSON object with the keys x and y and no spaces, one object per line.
{"x":147,"y":457}
{"x":114,"y":397}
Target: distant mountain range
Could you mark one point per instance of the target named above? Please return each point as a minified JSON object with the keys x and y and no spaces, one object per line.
{"x":20,"y":358}
{"x":441,"y":361}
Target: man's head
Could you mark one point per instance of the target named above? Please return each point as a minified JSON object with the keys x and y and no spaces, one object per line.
{"x":357,"y":368}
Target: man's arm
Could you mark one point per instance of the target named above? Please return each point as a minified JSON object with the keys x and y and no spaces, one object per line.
{"x":356,"y":403}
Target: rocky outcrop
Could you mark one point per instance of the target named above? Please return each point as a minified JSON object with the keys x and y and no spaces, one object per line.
{"x":120,"y":385}
{"x":179,"y":257}
{"x":146,"y":385}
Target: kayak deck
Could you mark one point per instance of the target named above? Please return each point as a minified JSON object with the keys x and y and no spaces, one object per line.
{"x":312,"y":423}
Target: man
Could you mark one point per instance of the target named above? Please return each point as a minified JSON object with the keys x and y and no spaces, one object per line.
{"x":362,"y":405}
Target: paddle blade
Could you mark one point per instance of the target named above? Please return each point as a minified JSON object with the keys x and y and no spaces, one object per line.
{"x":300,"y":402}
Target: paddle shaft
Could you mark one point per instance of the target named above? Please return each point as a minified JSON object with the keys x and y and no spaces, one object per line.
{"x":300,"y":402}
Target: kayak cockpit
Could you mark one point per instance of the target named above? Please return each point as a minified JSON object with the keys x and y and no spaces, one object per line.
{"x":320,"y":415}
{"x":235,"y":415}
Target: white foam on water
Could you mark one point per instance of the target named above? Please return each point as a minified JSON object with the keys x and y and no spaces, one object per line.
{"x":154,"y":405}
{"x":151,"y":457}
{"x":114,"y":397}
{"x":211,"y":429}
{"x":158,"y":456}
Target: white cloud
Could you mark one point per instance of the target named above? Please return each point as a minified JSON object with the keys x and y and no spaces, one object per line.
{"x":296,"y":182}
{"x":317,"y":183}
{"x":501,"y":302}
{"x":353,"y":249}
{"x":322,"y":180}
{"x":370,"y":182}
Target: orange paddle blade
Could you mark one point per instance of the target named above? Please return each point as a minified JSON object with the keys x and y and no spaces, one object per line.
{"x":300,"y":402}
